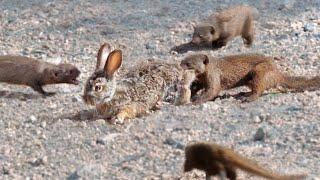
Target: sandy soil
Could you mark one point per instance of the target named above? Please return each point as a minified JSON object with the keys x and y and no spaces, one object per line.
{"x":41,"y":138}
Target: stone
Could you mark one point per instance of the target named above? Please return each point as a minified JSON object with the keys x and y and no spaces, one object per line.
{"x":259,"y":135}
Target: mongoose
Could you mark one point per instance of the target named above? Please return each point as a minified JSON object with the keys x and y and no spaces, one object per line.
{"x":223,"y":26}
{"x":184,"y":88}
{"x":27,"y":71}
{"x":218,"y":160}
{"x":258,"y":72}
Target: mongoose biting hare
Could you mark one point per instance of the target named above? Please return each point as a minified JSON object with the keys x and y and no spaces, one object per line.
{"x":219,"y":161}
{"x":223,"y":26}
{"x":132,"y":94}
{"x":27,"y":71}
{"x":258,"y":72}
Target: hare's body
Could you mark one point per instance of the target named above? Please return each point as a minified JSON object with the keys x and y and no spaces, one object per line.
{"x":141,"y":89}
{"x":134,"y":92}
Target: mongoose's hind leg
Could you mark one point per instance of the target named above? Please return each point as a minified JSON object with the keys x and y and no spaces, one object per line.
{"x":231,"y":173}
{"x":264,"y":76}
{"x":248,"y":32}
{"x":37,"y":87}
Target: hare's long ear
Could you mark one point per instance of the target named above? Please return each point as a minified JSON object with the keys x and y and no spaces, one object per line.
{"x":113,"y":62}
{"x":102,"y":56}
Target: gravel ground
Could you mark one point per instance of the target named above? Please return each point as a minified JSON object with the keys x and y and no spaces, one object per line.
{"x":41,"y":138}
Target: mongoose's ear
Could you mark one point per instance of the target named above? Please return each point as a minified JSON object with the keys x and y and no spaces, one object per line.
{"x":212,"y":30}
{"x":103,"y":54}
{"x":114,"y":62}
{"x":206,"y":60}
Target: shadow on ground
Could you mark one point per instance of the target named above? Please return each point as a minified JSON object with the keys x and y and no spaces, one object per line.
{"x":18,"y":95}
{"x":183,"y":48}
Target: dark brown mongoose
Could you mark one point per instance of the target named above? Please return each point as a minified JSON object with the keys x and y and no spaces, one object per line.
{"x":223,"y":26}
{"x":27,"y":71}
{"x":258,"y":72}
{"x":218,"y":160}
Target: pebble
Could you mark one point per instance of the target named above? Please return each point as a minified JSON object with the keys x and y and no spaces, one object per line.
{"x":309,"y":28}
{"x":174,"y":143}
{"x":40,"y":161}
{"x":257,"y":119}
{"x":33,"y":118}
{"x":151,"y":46}
{"x":259,"y":135}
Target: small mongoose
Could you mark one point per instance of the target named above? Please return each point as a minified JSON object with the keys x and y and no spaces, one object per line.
{"x":258,"y":72}
{"x":218,"y":160}
{"x":27,"y":71}
{"x":223,"y":26}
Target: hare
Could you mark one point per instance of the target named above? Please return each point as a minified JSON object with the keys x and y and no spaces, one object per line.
{"x":132,"y":94}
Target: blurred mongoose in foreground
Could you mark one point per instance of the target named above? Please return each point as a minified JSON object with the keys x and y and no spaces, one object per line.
{"x":258,"y":72}
{"x":218,"y":160}
{"x":27,"y":71}
{"x":221,"y":27}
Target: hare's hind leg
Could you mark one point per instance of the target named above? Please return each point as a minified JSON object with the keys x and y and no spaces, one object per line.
{"x":129,"y":111}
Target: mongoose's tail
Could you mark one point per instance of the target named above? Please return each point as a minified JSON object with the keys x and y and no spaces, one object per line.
{"x":251,"y":167}
{"x":300,"y":83}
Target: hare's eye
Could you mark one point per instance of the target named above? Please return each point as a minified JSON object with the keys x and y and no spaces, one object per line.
{"x":98,"y":88}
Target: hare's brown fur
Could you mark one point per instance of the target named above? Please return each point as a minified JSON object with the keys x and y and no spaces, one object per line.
{"x":142,"y":88}
{"x":134,"y":92}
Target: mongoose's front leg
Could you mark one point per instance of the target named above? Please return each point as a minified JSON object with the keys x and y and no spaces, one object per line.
{"x":184,"y":88}
{"x":222,"y":175}
{"x":37,"y":87}
{"x":212,"y":90}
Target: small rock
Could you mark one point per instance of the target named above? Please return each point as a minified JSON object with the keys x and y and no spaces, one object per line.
{"x":309,"y":28}
{"x":151,"y":45}
{"x":269,"y":25}
{"x":282,"y":37}
{"x":43,"y":124}
{"x":91,"y":171}
{"x":260,"y":135}
{"x":76,"y":99}
{"x":204,"y":106}
{"x":32,"y":118}
{"x":101,"y":121}
{"x":40,"y":161}
{"x":6,"y":170}
{"x":174,"y":143}
{"x":257,"y":119}
{"x":102,"y":140}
